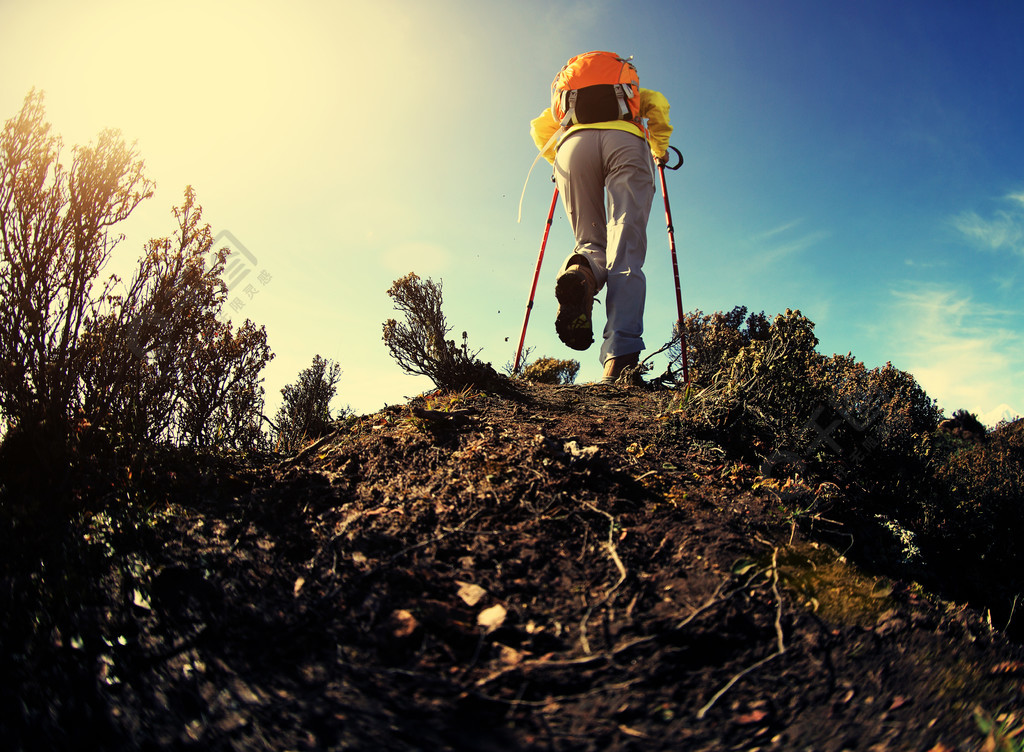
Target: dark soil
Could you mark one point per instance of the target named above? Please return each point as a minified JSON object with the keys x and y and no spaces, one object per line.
{"x":561,"y":569}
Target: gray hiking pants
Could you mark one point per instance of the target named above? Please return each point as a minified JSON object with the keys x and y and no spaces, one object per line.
{"x":589,"y":163}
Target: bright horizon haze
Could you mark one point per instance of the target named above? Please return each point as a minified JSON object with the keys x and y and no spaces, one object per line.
{"x":861,"y":162}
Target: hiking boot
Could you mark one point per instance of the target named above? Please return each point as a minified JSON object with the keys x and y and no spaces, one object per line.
{"x":613,"y":367}
{"x":575,"y":293}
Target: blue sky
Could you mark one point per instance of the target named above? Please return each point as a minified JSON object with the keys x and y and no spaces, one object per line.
{"x":861,"y":161}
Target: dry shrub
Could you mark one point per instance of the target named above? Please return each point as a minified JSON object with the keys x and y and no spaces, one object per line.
{"x":552,"y":371}
{"x":713,"y":340}
{"x":956,"y":492}
{"x":419,"y":344}
{"x":763,"y":392}
{"x":85,"y":365}
{"x":977,"y":511}
{"x":305,"y":412}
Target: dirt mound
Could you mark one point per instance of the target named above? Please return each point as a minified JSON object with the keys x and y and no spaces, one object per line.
{"x":562,"y":569}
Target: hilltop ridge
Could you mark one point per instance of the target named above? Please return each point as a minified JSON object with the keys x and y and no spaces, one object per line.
{"x":560,"y":568}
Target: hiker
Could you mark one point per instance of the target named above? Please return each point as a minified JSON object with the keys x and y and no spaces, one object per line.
{"x":603,"y":133}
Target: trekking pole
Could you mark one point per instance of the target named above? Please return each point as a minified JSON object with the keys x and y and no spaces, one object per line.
{"x":675,"y":263}
{"x":536,"y":274}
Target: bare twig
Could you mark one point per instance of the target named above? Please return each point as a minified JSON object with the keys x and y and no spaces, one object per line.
{"x":780,"y":649}
{"x":554,"y":699}
{"x":437,"y":538}
{"x":610,"y":545}
{"x":712,"y":601}
{"x":307,"y":451}
{"x":1013,"y":608}
{"x":609,"y":655}
{"x":661,"y":349}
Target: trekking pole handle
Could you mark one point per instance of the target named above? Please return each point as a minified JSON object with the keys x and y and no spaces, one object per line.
{"x":678,"y":164}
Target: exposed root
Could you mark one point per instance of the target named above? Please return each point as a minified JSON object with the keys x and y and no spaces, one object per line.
{"x":780,"y":644}
{"x":613,"y":552}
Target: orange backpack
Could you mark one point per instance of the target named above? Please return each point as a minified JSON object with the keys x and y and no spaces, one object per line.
{"x":596,"y":87}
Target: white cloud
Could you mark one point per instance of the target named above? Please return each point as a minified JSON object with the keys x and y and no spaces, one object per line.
{"x":965,"y":354}
{"x":1002,"y":231}
{"x":780,"y":242}
{"x":777,"y":230}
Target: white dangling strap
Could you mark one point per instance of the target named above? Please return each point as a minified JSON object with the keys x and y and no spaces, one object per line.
{"x":540,"y":154}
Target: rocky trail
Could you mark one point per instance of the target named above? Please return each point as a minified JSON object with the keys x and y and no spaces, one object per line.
{"x":555,"y":568}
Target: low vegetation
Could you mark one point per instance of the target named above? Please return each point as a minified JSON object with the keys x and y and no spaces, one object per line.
{"x":171,"y":564}
{"x":305,"y":412}
{"x":552,"y":371}
{"x":92,"y":367}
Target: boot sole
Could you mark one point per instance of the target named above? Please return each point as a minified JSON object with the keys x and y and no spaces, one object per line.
{"x":575,"y":306}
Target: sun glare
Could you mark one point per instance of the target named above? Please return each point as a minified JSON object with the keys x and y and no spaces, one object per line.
{"x":251,"y":79}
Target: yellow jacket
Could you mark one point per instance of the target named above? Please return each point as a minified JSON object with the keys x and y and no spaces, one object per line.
{"x":653,"y":108}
